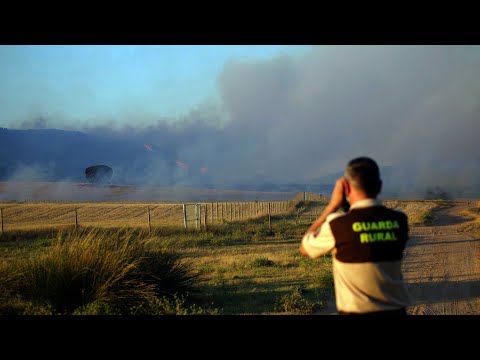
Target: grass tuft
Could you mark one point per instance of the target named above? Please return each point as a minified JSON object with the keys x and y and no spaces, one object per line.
{"x":262,"y":262}
{"x":295,"y":303}
{"x":114,"y":272}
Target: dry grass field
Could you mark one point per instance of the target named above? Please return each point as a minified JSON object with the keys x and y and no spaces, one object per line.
{"x":29,"y":205}
{"x":84,"y":192}
{"x":31,"y":216}
{"x":245,"y":267}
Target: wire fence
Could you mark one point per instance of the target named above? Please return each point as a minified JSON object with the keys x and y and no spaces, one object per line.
{"x":31,"y":216}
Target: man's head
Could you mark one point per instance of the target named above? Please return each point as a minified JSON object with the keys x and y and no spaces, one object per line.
{"x":363,"y":175}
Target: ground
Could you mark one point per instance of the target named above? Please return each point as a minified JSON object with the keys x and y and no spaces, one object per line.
{"x":441,"y":265}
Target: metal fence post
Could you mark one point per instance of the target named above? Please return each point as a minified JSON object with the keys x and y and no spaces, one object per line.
{"x":149,"y":224}
{"x":184,"y":216}
{"x":76,"y":219}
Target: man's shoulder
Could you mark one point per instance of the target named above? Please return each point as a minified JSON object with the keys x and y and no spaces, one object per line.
{"x":335,"y":215}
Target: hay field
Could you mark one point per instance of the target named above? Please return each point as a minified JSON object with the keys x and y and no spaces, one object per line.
{"x":31,"y":216}
{"x":53,"y":205}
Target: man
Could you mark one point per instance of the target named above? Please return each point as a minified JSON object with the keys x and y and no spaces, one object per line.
{"x":366,"y":243}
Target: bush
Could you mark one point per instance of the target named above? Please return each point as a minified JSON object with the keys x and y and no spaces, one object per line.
{"x":18,"y":306}
{"x":262,"y":262}
{"x":295,"y":303}
{"x":167,"y":273}
{"x":113,"y":272}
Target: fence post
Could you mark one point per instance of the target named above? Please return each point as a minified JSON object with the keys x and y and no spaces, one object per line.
{"x":205,"y":217}
{"x":298,"y":213}
{"x":149,"y":225}
{"x":269,"y":218}
{"x":197,"y":215}
{"x":1,"y":218}
{"x":231,"y":213}
{"x":184,"y":216}
{"x":76,"y":219}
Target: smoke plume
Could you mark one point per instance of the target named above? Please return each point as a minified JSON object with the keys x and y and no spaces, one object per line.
{"x":414,"y":109}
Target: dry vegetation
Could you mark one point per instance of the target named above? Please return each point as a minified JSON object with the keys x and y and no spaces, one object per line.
{"x":30,"y":216}
{"x":93,"y":272}
{"x":472,"y":211}
{"x":262,"y":278}
{"x":244,"y":267}
{"x":418,"y":212}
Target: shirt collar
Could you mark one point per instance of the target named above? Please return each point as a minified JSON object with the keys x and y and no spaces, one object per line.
{"x":365,"y":203}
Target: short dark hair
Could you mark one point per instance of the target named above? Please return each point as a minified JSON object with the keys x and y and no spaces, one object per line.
{"x":364,"y":174}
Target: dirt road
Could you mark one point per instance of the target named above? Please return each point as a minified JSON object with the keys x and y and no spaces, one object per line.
{"x":441,"y":266}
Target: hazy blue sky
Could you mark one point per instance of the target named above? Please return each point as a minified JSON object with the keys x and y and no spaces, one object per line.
{"x":73,"y":85}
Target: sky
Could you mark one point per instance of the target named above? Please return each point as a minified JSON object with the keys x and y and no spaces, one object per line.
{"x":94,"y":85}
{"x":257,"y":114}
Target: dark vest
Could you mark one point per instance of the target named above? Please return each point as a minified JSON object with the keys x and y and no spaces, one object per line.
{"x":370,"y":234}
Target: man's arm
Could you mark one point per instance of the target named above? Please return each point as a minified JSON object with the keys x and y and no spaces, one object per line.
{"x":334,"y":204}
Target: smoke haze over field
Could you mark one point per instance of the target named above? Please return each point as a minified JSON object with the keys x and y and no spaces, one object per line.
{"x":292,"y":119}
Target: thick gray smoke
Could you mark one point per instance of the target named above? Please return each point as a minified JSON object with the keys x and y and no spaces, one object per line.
{"x":414,"y":109}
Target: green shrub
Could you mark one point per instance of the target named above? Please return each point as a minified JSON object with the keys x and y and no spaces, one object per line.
{"x":15,"y":305}
{"x":176,"y":305}
{"x":295,"y":303}
{"x":262,"y":262}
{"x":165,"y":305}
{"x":427,"y":218}
{"x":167,"y":273}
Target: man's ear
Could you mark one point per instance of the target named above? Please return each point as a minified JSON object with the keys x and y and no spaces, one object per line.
{"x":347,"y":187}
